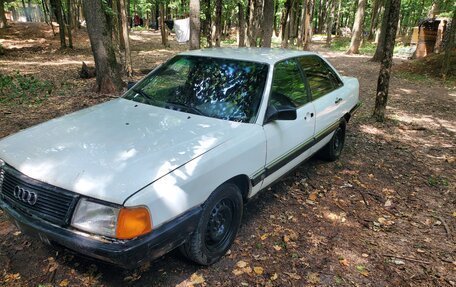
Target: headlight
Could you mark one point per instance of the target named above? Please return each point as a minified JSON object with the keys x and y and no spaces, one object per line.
{"x":121,"y":223}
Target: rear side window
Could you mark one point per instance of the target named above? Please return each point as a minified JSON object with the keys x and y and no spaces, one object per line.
{"x":288,"y":88}
{"x":321,"y":77}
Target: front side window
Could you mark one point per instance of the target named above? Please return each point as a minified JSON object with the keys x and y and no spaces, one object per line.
{"x":322,"y":79}
{"x":288,"y":89}
{"x":219,"y":88}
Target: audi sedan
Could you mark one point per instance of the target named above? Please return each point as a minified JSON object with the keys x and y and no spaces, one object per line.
{"x":172,"y":162}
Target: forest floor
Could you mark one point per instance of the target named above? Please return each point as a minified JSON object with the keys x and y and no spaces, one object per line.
{"x":382,"y":215}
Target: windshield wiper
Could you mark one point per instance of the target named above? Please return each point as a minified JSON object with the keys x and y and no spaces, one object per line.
{"x":186,"y":107}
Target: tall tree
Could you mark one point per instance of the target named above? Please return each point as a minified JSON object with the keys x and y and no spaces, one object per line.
{"x":374,"y":19}
{"x":68,"y":24}
{"x":208,"y":22}
{"x":357,"y":28}
{"x":284,"y":22}
{"x":449,"y":46}
{"x":218,"y":22}
{"x":194,"y":24}
{"x":308,"y":25}
{"x":268,"y":24}
{"x":329,"y":22}
{"x":3,"y":21}
{"x":99,"y":22}
{"x":255,"y":17}
{"x":241,"y":20}
{"x":56,"y":7}
{"x":380,"y":50}
{"x":385,"y":68}
{"x":164,"y":34}
{"x":27,"y":12}
{"x":125,"y":38}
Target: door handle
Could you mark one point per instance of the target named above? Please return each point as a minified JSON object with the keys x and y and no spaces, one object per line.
{"x":338,"y":100}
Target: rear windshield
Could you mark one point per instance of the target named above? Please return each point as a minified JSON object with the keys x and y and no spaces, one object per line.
{"x":220,"y":88}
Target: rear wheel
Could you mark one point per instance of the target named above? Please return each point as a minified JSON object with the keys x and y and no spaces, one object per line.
{"x":333,"y":149}
{"x":218,"y":226}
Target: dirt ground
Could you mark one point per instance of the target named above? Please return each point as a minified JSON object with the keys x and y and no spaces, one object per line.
{"x":382,"y":215}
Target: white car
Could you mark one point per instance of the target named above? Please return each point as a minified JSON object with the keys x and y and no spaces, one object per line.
{"x":172,"y":162}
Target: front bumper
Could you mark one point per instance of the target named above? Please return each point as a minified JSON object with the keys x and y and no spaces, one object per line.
{"x":127,"y":254}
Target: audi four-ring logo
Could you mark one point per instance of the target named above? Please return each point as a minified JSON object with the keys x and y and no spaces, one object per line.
{"x":24,"y":195}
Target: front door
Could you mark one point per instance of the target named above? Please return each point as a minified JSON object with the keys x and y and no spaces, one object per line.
{"x":288,"y":141}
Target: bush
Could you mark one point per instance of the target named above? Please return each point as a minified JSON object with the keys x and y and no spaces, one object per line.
{"x":23,"y":89}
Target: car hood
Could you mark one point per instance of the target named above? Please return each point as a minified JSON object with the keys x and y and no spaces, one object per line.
{"x":111,"y":150}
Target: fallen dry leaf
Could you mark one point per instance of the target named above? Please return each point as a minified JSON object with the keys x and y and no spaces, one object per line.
{"x":64,"y":283}
{"x":197,"y":279}
{"x":274,"y":277}
{"x":241,"y":264}
{"x":264,"y":236}
{"x":277,"y":247}
{"x":293,"y":275}
{"x":313,"y":278}
{"x":344,"y":261}
{"x":313,"y":196}
{"x":258,"y":270}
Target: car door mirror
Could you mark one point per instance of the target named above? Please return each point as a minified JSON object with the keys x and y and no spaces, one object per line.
{"x":130,"y":85}
{"x":281,"y":114}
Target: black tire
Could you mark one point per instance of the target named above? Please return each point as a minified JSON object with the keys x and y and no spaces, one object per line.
{"x":217,"y":227}
{"x":333,"y":149}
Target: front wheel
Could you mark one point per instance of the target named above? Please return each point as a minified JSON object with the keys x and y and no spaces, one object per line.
{"x":217,"y":227}
{"x":333,"y":149}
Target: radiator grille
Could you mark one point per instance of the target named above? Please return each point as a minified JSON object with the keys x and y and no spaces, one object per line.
{"x":52,"y":203}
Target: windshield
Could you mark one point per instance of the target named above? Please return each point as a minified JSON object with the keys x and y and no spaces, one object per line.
{"x":219,"y":88}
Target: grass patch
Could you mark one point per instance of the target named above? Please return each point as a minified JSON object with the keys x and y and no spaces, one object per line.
{"x":18,"y":89}
{"x":341,"y":44}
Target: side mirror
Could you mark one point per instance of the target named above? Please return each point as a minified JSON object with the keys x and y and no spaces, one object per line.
{"x":130,"y":85}
{"x":281,"y":114}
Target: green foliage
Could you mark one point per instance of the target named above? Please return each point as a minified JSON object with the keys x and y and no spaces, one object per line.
{"x":23,"y":89}
{"x":342,"y":44}
{"x":437,"y":181}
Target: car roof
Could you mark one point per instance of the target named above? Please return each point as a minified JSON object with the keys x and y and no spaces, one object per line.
{"x":261,"y":55}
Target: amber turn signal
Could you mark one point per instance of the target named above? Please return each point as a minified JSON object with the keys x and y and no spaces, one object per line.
{"x":133,"y":222}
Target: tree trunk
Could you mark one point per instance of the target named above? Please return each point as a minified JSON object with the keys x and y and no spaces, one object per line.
{"x":276,"y":28}
{"x":218,"y":22}
{"x":3,"y":21}
{"x":301,"y":27}
{"x":379,"y":51}
{"x":56,"y":6}
{"x":375,"y":14}
{"x":338,"y":20}
{"x":194,"y":24}
{"x":100,"y":35}
{"x":357,"y":28}
{"x":27,"y":12}
{"x":308,"y":25}
{"x":385,"y":69}
{"x":69,"y":24}
{"x":164,"y":33}
{"x":241,"y":38}
{"x":125,"y":39}
{"x":284,"y":23}
{"x":255,"y":19}
{"x":208,"y":23}
{"x":329,"y":22}
{"x":268,"y":24}
{"x":449,"y":46}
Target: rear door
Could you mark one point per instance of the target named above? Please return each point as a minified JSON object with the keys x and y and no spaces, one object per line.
{"x":326,"y":92}
{"x":288,"y":141}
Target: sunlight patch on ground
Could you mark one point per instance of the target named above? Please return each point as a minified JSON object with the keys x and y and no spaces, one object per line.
{"x":426,"y":121}
{"x":372,"y":130}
